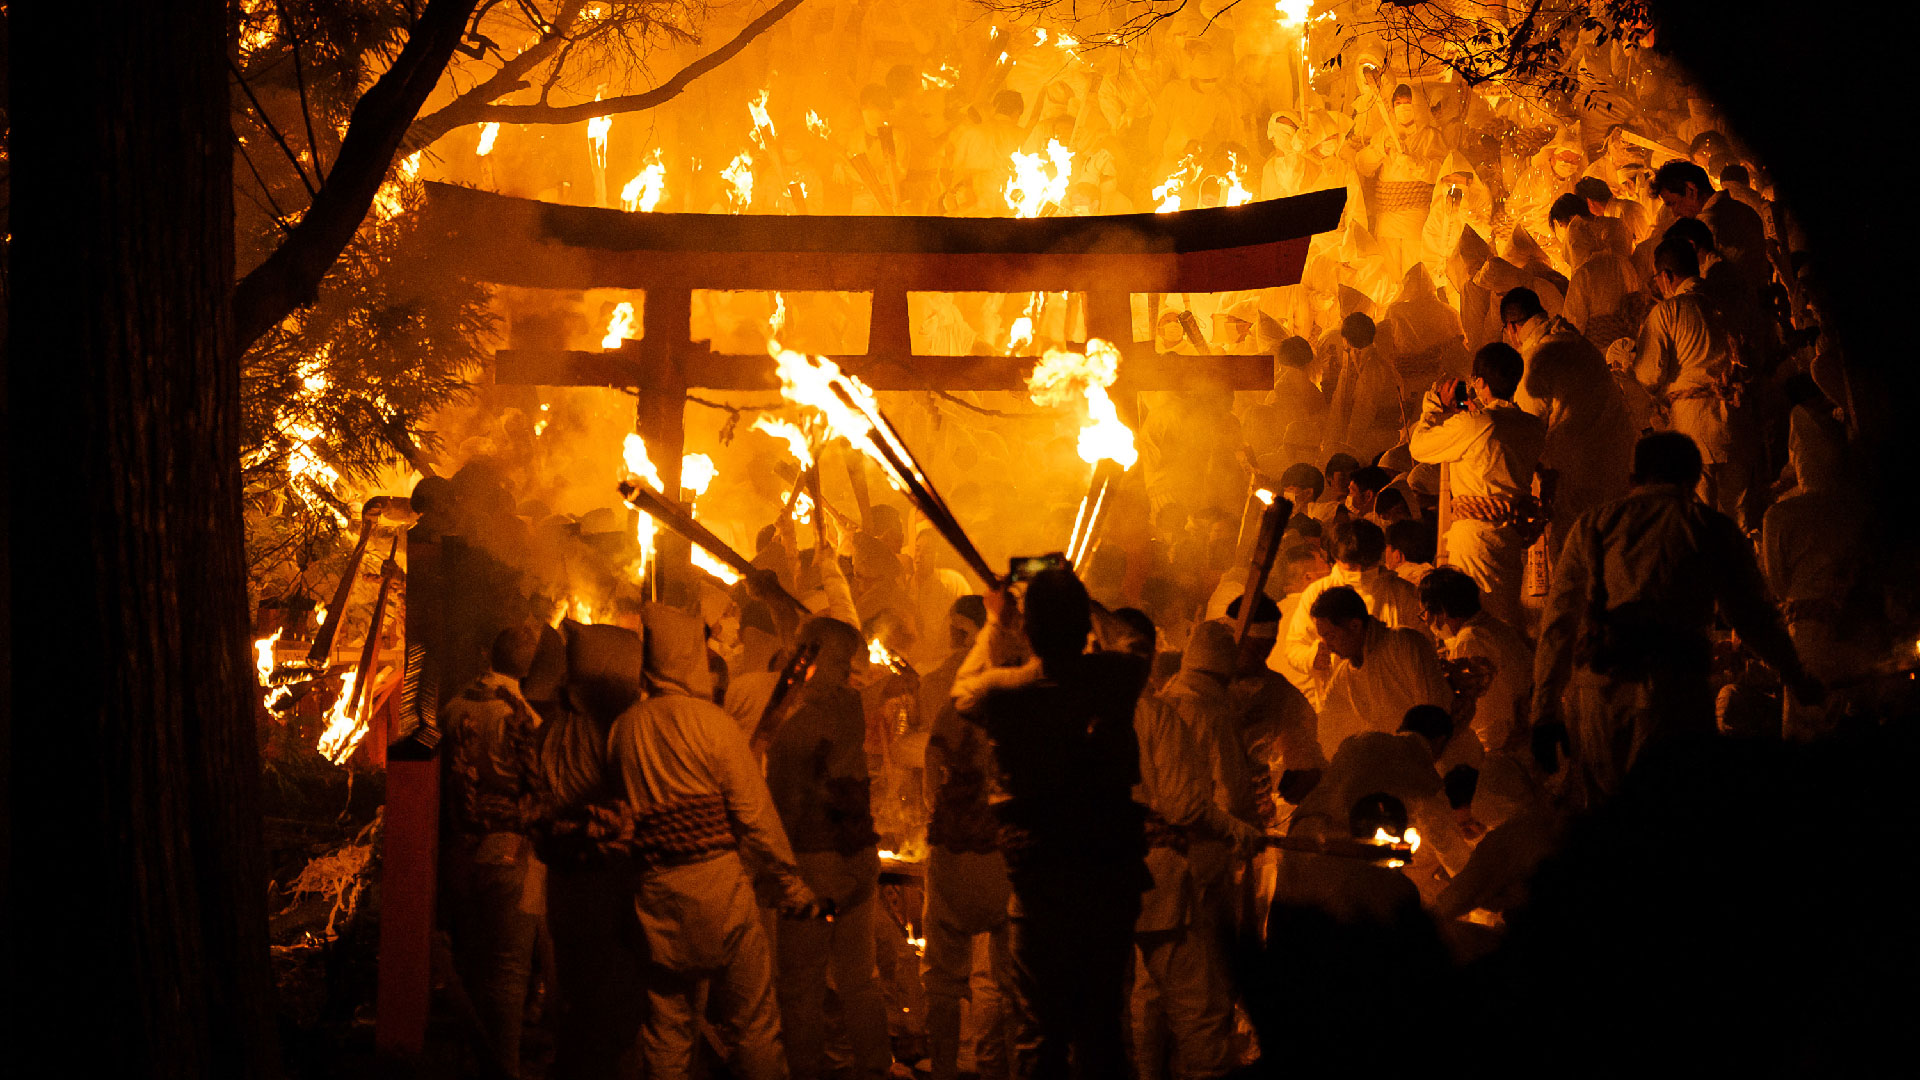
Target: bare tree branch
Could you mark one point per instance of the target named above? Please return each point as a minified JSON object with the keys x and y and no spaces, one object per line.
{"x":260,"y":111}
{"x":381,"y":118}
{"x":300,"y":80}
{"x":666,"y":91}
{"x":279,"y":216}
{"x":511,"y":77}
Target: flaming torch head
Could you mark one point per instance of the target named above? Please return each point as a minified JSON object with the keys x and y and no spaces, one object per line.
{"x":645,"y":190}
{"x":697,"y":472}
{"x":619,"y":326}
{"x":1061,"y":375}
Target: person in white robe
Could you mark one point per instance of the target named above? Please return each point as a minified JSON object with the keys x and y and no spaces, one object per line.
{"x":1490,"y":447}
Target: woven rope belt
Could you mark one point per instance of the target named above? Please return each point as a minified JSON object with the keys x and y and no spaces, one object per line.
{"x":1401,"y":196}
{"x":665,"y":834}
{"x":1522,"y":513}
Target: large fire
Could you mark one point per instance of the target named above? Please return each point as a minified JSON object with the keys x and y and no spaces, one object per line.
{"x":1062,"y":375}
{"x":697,"y":472}
{"x":1034,"y":188}
{"x":619,"y":326}
{"x":1167,"y":196}
{"x":843,"y":402}
{"x":739,"y":176}
{"x":763,"y":129}
{"x":647,"y":187}
{"x":786,"y":431}
{"x":344,"y":727}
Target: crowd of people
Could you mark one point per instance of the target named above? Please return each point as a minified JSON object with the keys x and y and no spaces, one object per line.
{"x":1568,"y":468}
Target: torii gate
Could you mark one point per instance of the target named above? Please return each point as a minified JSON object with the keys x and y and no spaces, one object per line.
{"x":511,"y":241}
{"x":523,"y":242}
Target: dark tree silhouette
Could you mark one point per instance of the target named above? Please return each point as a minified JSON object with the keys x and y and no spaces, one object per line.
{"x":136,"y":923}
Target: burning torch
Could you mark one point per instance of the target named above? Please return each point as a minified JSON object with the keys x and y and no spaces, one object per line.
{"x":1105,"y":442}
{"x":851,"y":413}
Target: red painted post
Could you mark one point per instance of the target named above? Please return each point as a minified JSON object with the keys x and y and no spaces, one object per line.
{"x":410,"y":853}
{"x":411,"y":844}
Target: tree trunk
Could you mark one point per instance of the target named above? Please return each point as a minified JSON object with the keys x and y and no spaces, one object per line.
{"x":136,"y":885}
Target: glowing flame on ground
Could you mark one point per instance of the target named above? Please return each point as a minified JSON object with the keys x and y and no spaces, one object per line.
{"x":619,"y":326}
{"x":488,"y":132}
{"x":1032,"y":188}
{"x":645,"y":190}
{"x":788,"y":432}
{"x":942,"y":79}
{"x":343,"y":731}
{"x":762,"y":122}
{"x":816,"y":125}
{"x":811,"y":381}
{"x":697,"y":472}
{"x":739,"y":174}
{"x":1061,"y":375}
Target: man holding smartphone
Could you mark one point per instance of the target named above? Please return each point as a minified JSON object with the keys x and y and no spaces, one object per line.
{"x":1491,"y":447}
{"x":1060,"y":720}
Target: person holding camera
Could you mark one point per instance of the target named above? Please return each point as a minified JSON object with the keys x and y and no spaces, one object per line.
{"x":1491,"y":447}
{"x":1060,"y":720}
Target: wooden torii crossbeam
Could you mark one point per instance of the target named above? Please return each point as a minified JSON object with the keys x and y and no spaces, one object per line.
{"x":524,"y":242}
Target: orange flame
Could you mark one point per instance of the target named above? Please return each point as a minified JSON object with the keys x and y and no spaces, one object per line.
{"x":762,"y":121}
{"x":644,"y":191}
{"x":488,"y":132}
{"x":739,"y":174}
{"x":1032,"y":187}
{"x":1236,"y":194}
{"x":1061,"y":375}
{"x":597,"y":129}
{"x":789,"y":433}
{"x":811,"y":381}
{"x":344,"y":729}
{"x":640,"y":468}
{"x":697,"y":472}
{"x":1167,"y":195}
{"x":263,"y":655}
{"x":619,"y":326}
{"x":703,"y":559}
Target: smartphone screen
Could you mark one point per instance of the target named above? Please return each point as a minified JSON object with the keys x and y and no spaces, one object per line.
{"x":1024,"y":567}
